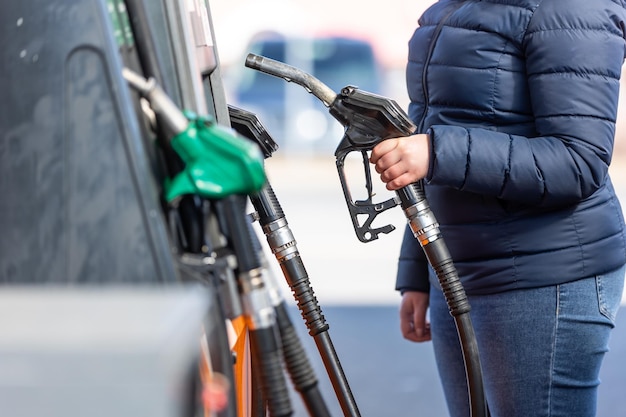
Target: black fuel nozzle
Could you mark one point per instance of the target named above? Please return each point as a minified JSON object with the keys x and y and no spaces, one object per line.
{"x":367,"y":119}
{"x":248,"y":125}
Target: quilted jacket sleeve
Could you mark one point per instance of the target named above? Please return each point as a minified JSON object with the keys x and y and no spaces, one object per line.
{"x":574,"y":51}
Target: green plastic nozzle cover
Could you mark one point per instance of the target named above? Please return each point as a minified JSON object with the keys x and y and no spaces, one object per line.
{"x":218,"y":162}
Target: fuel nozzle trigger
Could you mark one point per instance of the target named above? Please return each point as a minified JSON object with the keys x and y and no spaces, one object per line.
{"x":368,"y":119}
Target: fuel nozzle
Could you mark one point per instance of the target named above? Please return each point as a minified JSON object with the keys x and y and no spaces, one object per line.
{"x":367,"y":119}
{"x":218,"y":161}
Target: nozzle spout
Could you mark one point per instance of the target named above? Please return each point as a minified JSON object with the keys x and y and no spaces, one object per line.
{"x":292,"y":74}
{"x":161,"y":104}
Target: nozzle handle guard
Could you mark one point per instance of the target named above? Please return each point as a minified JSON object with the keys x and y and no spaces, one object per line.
{"x":368,"y":119}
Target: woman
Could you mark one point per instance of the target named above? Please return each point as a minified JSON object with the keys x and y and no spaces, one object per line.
{"x":515,"y":103}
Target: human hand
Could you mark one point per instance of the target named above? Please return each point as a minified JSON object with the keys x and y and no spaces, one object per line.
{"x":413,"y":323}
{"x":402,"y":161}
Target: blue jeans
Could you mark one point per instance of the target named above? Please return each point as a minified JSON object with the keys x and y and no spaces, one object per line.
{"x":540,"y":349}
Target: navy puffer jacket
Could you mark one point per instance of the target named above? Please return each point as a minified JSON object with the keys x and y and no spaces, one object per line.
{"x":520,"y":100}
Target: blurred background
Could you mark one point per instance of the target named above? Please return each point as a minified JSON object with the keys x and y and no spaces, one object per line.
{"x":340,"y":42}
{"x":351,"y":42}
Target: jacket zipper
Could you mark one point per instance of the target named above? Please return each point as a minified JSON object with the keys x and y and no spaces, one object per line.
{"x":431,"y":48}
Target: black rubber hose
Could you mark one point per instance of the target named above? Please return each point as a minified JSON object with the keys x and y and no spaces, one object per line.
{"x":260,"y":316}
{"x":233,"y":208}
{"x":267,"y":206}
{"x":296,"y":360}
{"x":298,"y":365}
{"x":269,"y":211}
{"x":283,"y":245}
{"x":268,"y":362}
{"x":426,"y":231}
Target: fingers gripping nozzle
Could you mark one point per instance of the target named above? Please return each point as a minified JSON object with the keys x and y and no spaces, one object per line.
{"x":368,"y":119}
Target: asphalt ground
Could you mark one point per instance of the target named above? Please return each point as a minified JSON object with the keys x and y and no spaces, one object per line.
{"x":353,"y":282}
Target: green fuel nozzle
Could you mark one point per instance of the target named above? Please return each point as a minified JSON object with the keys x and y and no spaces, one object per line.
{"x":218,"y":161}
